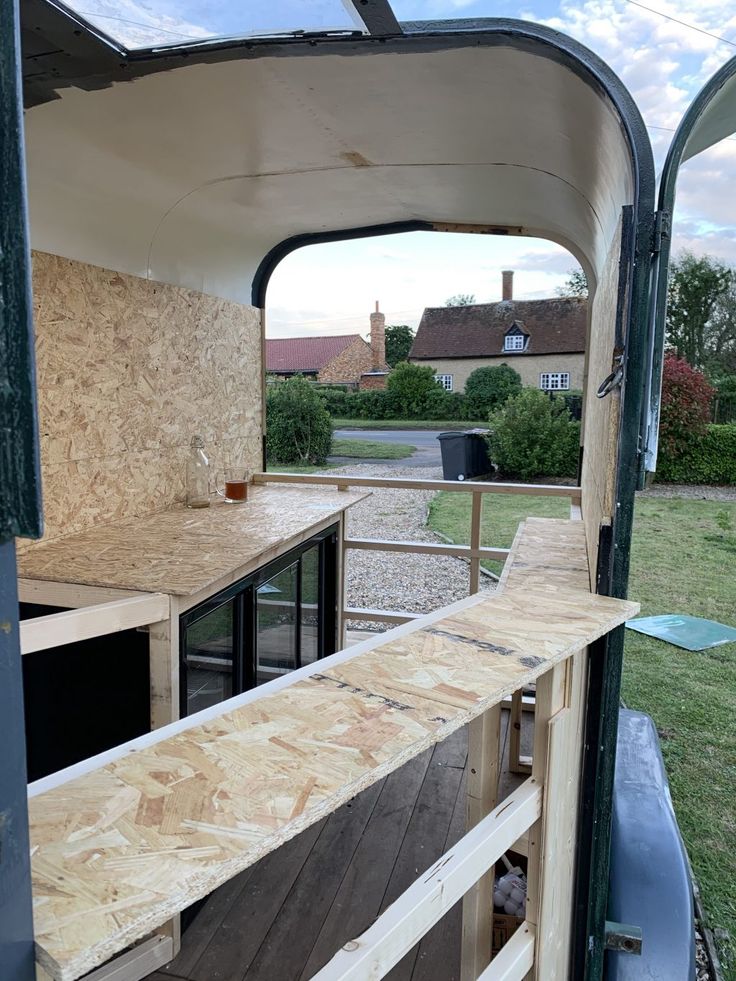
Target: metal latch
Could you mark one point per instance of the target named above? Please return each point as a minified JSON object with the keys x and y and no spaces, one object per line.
{"x":614,"y":379}
{"x":622,"y":937}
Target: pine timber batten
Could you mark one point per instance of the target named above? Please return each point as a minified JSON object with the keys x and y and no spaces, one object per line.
{"x":426,"y":548}
{"x":401,"y":483}
{"x":155,"y":829}
{"x":56,"y":629}
{"x":514,"y":959}
{"x":436,"y":891}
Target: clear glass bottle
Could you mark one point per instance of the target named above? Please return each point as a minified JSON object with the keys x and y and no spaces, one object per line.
{"x":198,"y":475}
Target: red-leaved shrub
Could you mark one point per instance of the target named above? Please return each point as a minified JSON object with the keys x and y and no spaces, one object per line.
{"x":685,"y":410}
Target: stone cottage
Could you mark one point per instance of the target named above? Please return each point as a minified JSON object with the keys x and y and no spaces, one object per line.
{"x":544,"y":340}
{"x":344,"y":359}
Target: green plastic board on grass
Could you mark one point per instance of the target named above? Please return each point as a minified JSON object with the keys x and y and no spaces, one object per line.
{"x":690,"y":633}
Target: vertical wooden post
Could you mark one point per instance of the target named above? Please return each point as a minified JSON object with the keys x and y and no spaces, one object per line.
{"x":163,"y":648}
{"x":163,"y":655}
{"x":549,"y":768}
{"x":342,"y":588}
{"x":484,"y":737}
{"x":475,"y":534}
{"x":515,"y":714}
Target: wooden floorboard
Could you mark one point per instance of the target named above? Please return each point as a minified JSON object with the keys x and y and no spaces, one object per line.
{"x":288,"y":943}
{"x":428,"y":829}
{"x":358,"y":900}
{"x":237,"y":939}
{"x":286,"y":917}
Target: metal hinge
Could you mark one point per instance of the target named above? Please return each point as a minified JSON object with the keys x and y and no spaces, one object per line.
{"x":622,"y":937}
{"x":662,"y":229}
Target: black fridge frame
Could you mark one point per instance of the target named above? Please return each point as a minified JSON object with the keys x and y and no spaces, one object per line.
{"x":244,"y":592}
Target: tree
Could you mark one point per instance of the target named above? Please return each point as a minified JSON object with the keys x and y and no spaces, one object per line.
{"x":575,"y":285}
{"x":720,"y":340}
{"x":399,"y":339}
{"x":487,"y":388}
{"x":696,"y":285}
{"x":460,"y":300}
{"x":298,"y":425}
{"x":685,"y":407}
{"x":413,"y":386}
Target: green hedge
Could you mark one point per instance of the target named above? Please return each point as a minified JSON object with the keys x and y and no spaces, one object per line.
{"x":711,"y":461}
{"x":385,"y":404}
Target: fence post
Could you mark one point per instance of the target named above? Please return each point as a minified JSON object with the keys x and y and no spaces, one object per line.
{"x":484,"y":738}
{"x":475,"y":532}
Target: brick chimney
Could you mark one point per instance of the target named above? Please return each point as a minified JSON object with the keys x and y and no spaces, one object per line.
{"x":378,"y":340}
{"x":507,"y":289}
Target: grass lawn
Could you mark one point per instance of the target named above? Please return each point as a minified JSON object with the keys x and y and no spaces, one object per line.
{"x":406,"y":424}
{"x":299,"y":467}
{"x":368,"y":449}
{"x":683,"y":561}
{"x":449,"y":514}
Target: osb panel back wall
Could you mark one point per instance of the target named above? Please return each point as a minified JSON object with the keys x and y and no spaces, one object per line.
{"x":600,"y":437}
{"x":128,"y":370}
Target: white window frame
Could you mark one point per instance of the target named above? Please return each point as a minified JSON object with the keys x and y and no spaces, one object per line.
{"x":445,"y":381}
{"x":514,"y":342}
{"x":554,"y":381}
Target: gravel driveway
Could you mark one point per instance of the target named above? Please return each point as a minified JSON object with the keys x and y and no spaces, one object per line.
{"x":392,"y":581}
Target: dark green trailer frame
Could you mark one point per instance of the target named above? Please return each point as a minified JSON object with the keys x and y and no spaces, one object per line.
{"x":64,"y":50}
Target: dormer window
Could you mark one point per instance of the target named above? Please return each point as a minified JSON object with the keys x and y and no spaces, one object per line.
{"x":515,"y":339}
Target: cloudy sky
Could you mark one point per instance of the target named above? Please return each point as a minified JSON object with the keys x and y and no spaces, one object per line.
{"x":664,"y":50}
{"x":663,"y":64}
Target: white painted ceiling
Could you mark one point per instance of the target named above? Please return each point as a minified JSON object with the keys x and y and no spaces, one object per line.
{"x":192,"y":175}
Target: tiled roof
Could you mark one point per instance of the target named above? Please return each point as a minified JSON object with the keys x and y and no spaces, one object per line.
{"x":555,"y":326}
{"x":305,"y":353}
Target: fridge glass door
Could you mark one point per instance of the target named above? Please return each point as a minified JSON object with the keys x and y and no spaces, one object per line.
{"x":208,"y":656}
{"x":277,"y":603}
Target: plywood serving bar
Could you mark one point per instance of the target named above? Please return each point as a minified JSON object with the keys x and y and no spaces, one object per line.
{"x":129,"y":840}
{"x":172,"y":559}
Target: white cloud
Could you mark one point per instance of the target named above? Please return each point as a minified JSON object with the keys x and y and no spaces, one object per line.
{"x":662,"y":63}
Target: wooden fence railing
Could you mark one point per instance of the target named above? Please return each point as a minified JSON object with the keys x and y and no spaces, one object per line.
{"x":474,"y":551}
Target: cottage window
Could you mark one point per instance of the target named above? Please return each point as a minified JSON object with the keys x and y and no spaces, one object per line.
{"x":554,"y":381}
{"x":445,"y":381}
{"x":514,"y":342}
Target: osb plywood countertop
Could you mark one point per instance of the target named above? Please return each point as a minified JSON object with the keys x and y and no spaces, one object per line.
{"x":118,"y":850}
{"x":183,"y":550}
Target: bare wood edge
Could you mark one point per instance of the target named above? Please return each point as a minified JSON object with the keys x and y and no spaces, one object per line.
{"x":61,"y":777}
{"x":573,"y":492}
{"x":46,"y":592}
{"x":515,"y":959}
{"x":84,"y":623}
{"x":426,"y":548}
{"x":138,"y":962}
{"x":527,"y":703}
{"x":434,"y":893}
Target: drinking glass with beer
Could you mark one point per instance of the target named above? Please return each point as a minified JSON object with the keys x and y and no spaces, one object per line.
{"x":232,"y":484}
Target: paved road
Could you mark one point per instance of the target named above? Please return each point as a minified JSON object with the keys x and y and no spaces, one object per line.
{"x":425,"y":440}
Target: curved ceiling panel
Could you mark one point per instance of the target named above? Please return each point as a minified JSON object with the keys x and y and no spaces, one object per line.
{"x":193,"y":174}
